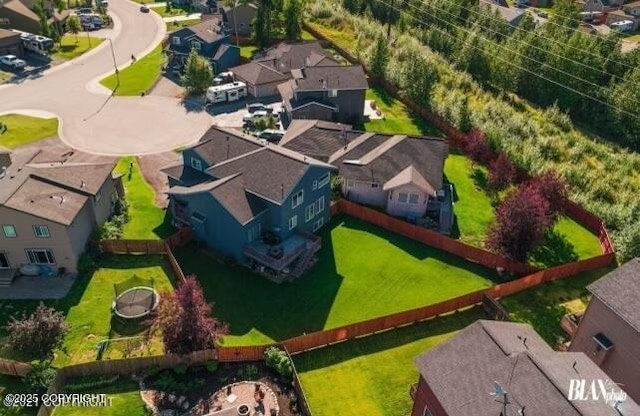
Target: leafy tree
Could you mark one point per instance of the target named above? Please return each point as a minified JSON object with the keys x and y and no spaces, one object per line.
{"x":198,"y":74}
{"x":59,"y":5}
{"x":553,"y":188}
{"x":625,"y":96}
{"x":185,"y":320}
{"x":168,"y":7}
{"x":379,"y":56}
{"x":43,"y":18}
{"x":292,"y":18}
{"x":418,"y":78}
{"x":40,"y":377}
{"x":521,"y":223}
{"x":502,"y":173}
{"x":477,"y":146}
{"x":277,"y":359}
{"x":38,"y":334}
{"x":74,"y":26}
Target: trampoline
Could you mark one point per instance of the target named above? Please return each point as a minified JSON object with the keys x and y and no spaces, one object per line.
{"x":136,"y":302}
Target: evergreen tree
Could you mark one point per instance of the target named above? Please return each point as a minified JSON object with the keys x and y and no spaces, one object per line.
{"x":292,"y":19}
{"x":379,"y":58}
{"x":198,"y":75}
{"x":73,"y":25}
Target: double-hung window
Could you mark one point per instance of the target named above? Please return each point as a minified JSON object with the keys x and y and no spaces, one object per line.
{"x":40,"y":256}
{"x":319,"y":223}
{"x":403,"y":197}
{"x":196,"y":164}
{"x":319,"y":205}
{"x":413,"y":198}
{"x":293,"y":222}
{"x":41,"y":231}
{"x":9,"y":231}
{"x":309,"y":212}
{"x":297,"y":199}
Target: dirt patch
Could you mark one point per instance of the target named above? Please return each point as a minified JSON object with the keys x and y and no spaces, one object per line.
{"x":151,"y":166}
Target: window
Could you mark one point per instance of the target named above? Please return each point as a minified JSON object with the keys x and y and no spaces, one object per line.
{"x":297,"y":199}
{"x":41,"y":231}
{"x":98,"y":196}
{"x":324,"y":180}
{"x":254,"y":232}
{"x":198,"y":216}
{"x":293,"y":222}
{"x":402,"y":197}
{"x":196,"y":45}
{"x":320,"y":205}
{"x":176,"y":40}
{"x":4,"y":260}
{"x":196,"y":164}
{"x":333,"y":93}
{"x":375,"y":185}
{"x":413,"y":198}
{"x":351,"y":183}
{"x":40,"y":256}
{"x":319,"y":223}
{"x":309,"y":212}
{"x":315,"y":185}
{"x":9,"y":231}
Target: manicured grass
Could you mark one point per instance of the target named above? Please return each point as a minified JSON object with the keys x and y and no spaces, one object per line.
{"x":307,"y":36}
{"x":363,"y":272}
{"x":5,"y":76}
{"x":567,"y":242}
{"x":173,"y":26}
{"x":247,"y":51}
{"x":70,"y":47}
{"x":139,"y":77}
{"x":147,"y":221}
{"x":22,"y":129}
{"x":397,"y":117}
{"x":175,"y":11}
{"x":343,"y":38}
{"x":544,"y":306}
{"x":87,"y":306}
{"x":371,"y":376}
{"x":14,"y":385}
{"x":125,"y":401}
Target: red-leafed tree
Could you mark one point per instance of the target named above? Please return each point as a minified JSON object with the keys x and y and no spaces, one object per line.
{"x":185,"y":320}
{"x":502,"y":173}
{"x":477,"y":146}
{"x":554,"y":189}
{"x":521,"y":223}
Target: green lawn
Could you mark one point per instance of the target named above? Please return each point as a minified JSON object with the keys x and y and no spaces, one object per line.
{"x":173,"y":26}
{"x":348,"y":284}
{"x":544,"y":306}
{"x":70,"y":47}
{"x":125,"y":401}
{"x":307,"y":36}
{"x":5,"y":76}
{"x":175,"y":11}
{"x":88,"y":305}
{"x":247,"y":51}
{"x":22,"y":129}
{"x":139,"y":77}
{"x":397,"y":117}
{"x":371,"y":376}
{"x":147,"y":221}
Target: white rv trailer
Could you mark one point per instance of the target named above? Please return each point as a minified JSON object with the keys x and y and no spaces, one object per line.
{"x":226,"y":93}
{"x":35,"y":43}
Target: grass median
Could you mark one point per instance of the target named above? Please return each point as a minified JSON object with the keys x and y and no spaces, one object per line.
{"x":19,"y":130}
{"x":139,"y":77}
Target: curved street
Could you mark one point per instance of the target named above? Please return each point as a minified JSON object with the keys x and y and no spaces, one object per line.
{"x":90,"y":119}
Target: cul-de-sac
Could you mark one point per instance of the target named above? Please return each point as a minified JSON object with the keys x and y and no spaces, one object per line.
{"x":320,"y":207}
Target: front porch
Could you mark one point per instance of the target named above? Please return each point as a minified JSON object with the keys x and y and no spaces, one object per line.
{"x":285,"y":259}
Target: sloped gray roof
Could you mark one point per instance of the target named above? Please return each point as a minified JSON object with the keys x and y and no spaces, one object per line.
{"x":620,"y":291}
{"x":208,"y":30}
{"x":286,"y":56}
{"x":461,"y":372}
{"x":218,"y":145}
{"x":256,"y":73}
{"x":316,"y":138}
{"x":338,"y":77}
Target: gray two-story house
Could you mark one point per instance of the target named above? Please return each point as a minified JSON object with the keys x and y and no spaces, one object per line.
{"x":259,"y":205}
{"x":330,"y":93}
{"x":210,"y":40}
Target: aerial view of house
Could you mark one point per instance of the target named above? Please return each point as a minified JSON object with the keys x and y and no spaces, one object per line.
{"x":319,"y":208}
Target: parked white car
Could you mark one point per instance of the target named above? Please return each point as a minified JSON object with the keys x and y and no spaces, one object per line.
{"x":250,"y":116}
{"x":12,"y":61}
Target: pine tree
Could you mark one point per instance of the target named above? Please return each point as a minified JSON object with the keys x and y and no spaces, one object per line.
{"x":198,"y":75}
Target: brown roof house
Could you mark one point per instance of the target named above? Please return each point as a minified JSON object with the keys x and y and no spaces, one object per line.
{"x":496,"y":368}
{"x":272,"y":67}
{"x":10,"y":43}
{"x":331,"y":93}
{"x":401,"y":174}
{"x":609,"y":330}
{"x":49,"y":206}
{"x":19,"y":14}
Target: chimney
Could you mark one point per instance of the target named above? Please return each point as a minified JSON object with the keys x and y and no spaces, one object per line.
{"x":5,"y":158}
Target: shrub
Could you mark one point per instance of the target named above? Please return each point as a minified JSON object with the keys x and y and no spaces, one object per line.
{"x":553,"y":189}
{"x":152,"y":371}
{"x":279,"y":360}
{"x":212,"y":366}
{"x":181,"y":369}
{"x":502,"y":173}
{"x":40,"y":377}
{"x":39,"y":333}
{"x":477,"y":146}
{"x":89,"y":383}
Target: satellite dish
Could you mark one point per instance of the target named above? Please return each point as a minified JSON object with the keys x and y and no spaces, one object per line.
{"x":498,"y":391}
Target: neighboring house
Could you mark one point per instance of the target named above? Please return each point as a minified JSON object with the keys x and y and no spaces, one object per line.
{"x":461,"y":376}
{"x":211,"y":42}
{"x":609,"y":331}
{"x":331,"y":93}
{"x":632,"y":8}
{"x":19,"y":15}
{"x":239,"y":17}
{"x":256,"y":204}
{"x":401,"y":174}
{"x":623,"y":14}
{"x":10,"y":43}
{"x":49,"y":207}
{"x":603,"y":6}
{"x":511,"y":15}
{"x":273,"y":66}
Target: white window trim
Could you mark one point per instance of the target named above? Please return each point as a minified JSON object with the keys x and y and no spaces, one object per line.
{"x":175,"y":40}
{"x":41,"y":227}
{"x":297,"y":199}
{"x":324,"y":180}
{"x":196,"y":45}
{"x":417,"y":199}
{"x":319,"y":205}
{"x":315,"y":184}
{"x":351,"y":183}
{"x":318,"y":224}
{"x":309,"y":212}
{"x":293,"y":222}
{"x":48,"y":254}
{"x":4,"y":231}
{"x":406,"y":197}
{"x":333,"y":93}
{"x":196,"y":164}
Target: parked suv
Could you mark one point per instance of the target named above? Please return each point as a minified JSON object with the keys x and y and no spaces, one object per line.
{"x":254,"y":107}
{"x":12,"y":61}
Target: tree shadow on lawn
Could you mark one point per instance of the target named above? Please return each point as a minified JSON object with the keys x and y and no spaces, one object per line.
{"x":387,"y":340}
{"x":249,"y":301}
{"x":166,"y":228}
{"x":554,"y":251}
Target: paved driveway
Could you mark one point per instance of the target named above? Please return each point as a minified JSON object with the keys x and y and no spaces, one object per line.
{"x":92,"y":120}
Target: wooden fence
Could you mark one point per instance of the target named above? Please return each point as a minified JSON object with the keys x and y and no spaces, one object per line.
{"x":14,"y":368}
{"x":431,"y":238}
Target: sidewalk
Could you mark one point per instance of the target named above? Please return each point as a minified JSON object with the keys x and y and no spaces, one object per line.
{"x":191,"y":16}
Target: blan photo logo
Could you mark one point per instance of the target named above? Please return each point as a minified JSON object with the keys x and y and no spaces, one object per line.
{"x":596,"y":390}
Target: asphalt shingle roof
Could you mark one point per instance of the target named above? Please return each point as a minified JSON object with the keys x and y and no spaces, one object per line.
{"x":338,"y":77}
{"x":620,"y":291}
{"x":286,"y":56}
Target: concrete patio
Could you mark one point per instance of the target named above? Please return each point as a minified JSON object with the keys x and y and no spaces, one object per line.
{"x":38,"y":287}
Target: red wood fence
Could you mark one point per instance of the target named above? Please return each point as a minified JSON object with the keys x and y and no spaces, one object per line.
{"x":14,"y":368}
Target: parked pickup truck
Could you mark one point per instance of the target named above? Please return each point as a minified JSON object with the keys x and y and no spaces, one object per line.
{"x":12,"y":61}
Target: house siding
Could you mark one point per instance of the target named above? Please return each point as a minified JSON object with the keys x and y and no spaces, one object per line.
{"x":363,"y":193}
{"x":426,"y":399}
{"x":312,"y":112}
{"x":244,"y":16}
{"x":399,"y":209}
{"x":11,"y":46}
{"x":229,"y":59}
{"x":104,"y":207}
{"x":622,"y":361}
{"x":19,"y":21}
{"x":350,"y":104}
